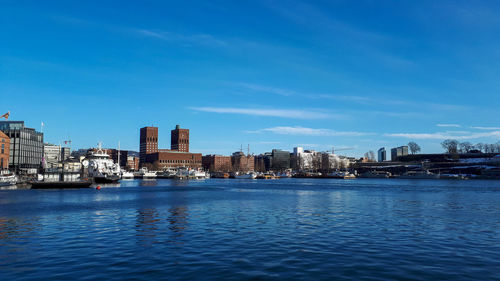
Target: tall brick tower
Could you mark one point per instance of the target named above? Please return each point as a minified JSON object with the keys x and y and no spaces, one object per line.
{"x":148,"y":143}
{"x":180,"y":139}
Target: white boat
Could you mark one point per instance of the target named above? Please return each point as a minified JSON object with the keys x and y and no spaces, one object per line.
{"x":8,"y":179}
{"x":127,"y":175}
{"x":145,"y":174}
{"x":102,"y":168}
{"x":340,"y":175}
{"x":285,"y":174}
{"x":249,"y":175}
{"x":419,"y":175}
{"x":188,"y":173}
{"x":200,"y":174}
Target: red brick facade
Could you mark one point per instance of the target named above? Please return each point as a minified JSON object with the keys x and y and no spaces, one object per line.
{"x":172,"y":159}
{"x":217,"y":163}
{"x":242,"y":162}
{"x":132,"y":163}
{"x":148,"y":142}
{"x":4,"y":151}
{"x":179,"y":139}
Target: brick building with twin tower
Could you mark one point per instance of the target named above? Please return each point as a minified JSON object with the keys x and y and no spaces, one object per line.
{"x":177,"y":156}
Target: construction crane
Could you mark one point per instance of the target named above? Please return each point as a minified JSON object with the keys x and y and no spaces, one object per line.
{"x":339,"y":149}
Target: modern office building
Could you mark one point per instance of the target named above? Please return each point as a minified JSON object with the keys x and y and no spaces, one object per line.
{"x":26,"y":146}
{"x":298,"y":150}
{"x":4,"y":151}
{"x":281,"y":160}
{"x":148,"y":143}
{"x":54,"y":153}
{"x":262,"y":162}
{"x":382,"y":155}
{"x":179,"y":139}
{"x":398,"y":152}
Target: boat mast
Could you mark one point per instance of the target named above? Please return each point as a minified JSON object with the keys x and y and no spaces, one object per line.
{"x":118,"y":153}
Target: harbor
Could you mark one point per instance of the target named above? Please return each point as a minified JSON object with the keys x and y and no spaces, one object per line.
{"x":296,"y":228}
{"x":59,"y":167}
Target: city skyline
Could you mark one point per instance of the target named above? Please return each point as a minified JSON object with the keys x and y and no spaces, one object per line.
{"x":315,"y":75}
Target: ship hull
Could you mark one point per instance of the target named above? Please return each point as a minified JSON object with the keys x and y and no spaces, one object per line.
{"x":106,"y":179}
{"x":60,"y":185}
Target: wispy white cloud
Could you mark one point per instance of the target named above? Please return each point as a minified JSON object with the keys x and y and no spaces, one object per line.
{"x":448,"y":125}
{"x":284,"y":130}
{"x":486,"y":128}
{"x":180,"y":38}
{"x":272,"y":90}
{"x":285,"y":113}
{"x":445,"y":135}
{"x":150,"y":33}
{"x":360,"y":99}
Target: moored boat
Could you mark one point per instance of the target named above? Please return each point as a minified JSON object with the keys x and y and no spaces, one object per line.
{"x":8,"y":179}
{"x":267,"y":176}
{"x":127,"y":175}
{"x":340,"y":175}
{"x":102,"y":168}
{"x":249,"y":175}
{"x":424,"y":175}
{"x":145,"y":174}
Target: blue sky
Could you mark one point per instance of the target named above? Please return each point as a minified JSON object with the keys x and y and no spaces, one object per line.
{"x":272,"y":74}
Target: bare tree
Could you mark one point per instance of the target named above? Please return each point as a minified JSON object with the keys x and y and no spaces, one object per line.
{"x":316,"y":162}
{"x":465,"y":147}
{"x":451,"y":146}
{"x":372,"y":155}
{"x":414,"y":147}
{"x":479,"y":146}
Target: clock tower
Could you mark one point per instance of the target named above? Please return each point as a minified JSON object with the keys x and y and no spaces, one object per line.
{"x":180,"y":139}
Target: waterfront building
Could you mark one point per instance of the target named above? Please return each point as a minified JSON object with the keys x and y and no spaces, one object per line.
{"x":178,"y":156}
{"x":305,"y":160}
{"x":281,"y":160}
{"x":54,"y":154}
{"x":217,"y":163}
{"x":65,"y":153}
{"x":262,"y":162}
{"x":82,"y":152}
{"x":398,"y":152}
{"x":241,"y":162}
{"x":148,"y":143}
{"x":382,"y":156}
{"x":165,"y":159}
{"x":179,"y":139}
{"x":4,"y":151}
{"x":132,"y":163}
{"x":298,"y":150}
{"x":332,"y":162}
{"x":26,"y":146}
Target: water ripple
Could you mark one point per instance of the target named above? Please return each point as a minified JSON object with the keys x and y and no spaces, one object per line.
{"x":298,"y":229}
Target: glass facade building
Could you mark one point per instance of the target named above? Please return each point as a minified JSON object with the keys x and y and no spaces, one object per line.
{"x":382,"y":155}
{"x":398,"y":152}
{"x":26,"y":145}
{"x":280,"y":160}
